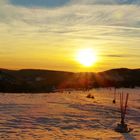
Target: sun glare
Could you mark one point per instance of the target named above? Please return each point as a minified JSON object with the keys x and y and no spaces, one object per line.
{"x":86,"y":57}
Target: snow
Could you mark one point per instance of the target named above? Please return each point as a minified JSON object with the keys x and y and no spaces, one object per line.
{"x":64,"y":116}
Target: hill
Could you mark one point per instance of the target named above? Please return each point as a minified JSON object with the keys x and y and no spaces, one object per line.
{"x":30,"y":80}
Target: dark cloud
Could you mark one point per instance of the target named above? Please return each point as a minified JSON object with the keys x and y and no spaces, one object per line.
{"x":120,"y":55}
{"x":107,"y":2}
{"x":39,"y":3}
{"x":57,"y":3}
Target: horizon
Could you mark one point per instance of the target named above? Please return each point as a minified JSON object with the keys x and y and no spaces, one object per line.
{"x":69,"y":71}
{"x":55,"y":35}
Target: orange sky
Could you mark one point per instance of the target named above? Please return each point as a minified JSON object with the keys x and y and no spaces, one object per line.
{"x":51,"y":37}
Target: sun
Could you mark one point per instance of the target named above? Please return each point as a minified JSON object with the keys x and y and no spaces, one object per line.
{"x":87,"y":57}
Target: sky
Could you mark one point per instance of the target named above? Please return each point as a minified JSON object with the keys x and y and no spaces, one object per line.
{"x":48,"y":34}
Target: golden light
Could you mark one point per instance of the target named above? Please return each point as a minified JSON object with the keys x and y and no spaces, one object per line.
{"x":86,"y":57}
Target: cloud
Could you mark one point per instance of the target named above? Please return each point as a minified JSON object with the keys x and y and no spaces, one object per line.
{"x":57,"y":3}
{"x":87,"y":21}
{"x":113,"y":29}
{"x":3,"y":2}
{"x":120,"y":55}
{"x":105,"y":2}
{"x":39,"y":3}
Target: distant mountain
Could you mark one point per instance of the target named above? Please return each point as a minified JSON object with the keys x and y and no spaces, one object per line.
{"x":122,"y":77}
{"x":35,"y":81}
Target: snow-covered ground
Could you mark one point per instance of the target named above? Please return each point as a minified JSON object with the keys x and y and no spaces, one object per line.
{"x":64,"y":116}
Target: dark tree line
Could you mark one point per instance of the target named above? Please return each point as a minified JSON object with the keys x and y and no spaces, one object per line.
{"x":36,"y":81}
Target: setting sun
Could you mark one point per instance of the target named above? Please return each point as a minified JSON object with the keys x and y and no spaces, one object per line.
{"x":86,"y":57}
